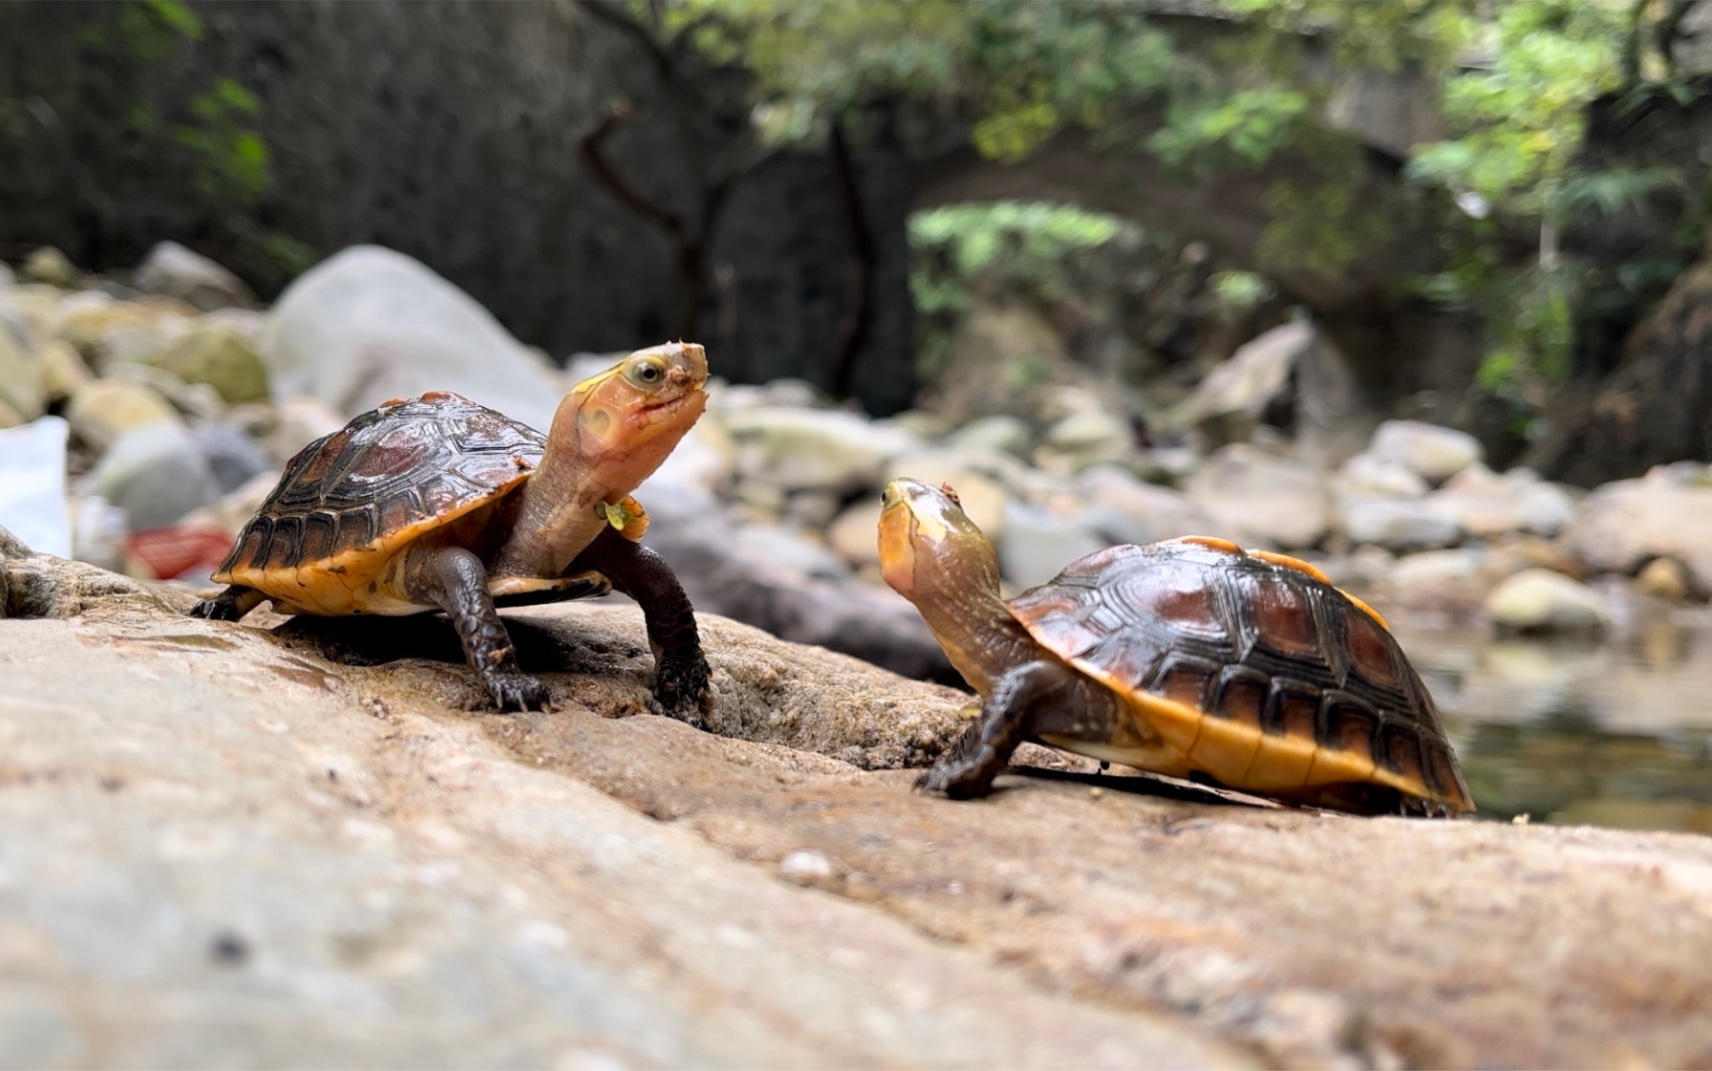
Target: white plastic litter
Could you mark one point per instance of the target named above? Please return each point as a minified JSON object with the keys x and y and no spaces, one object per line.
{"x":32,"y":485}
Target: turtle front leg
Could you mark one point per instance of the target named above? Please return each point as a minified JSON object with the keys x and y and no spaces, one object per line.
{"x":1034,"y":698}
{"x":230,"y":605}
{"x":455,"y":580}
{"x":681,"y":672}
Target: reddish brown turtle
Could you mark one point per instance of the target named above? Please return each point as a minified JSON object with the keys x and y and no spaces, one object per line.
{"x":437,"y":503}
{"x":1189,"y":657}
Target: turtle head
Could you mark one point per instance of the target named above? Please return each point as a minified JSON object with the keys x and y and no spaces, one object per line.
{"x":619,"y":425}
{"x":932,"y":554}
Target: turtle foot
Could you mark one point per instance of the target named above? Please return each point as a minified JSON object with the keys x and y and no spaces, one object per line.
{"x":212,"y":610}
{"x":517,"y":691}
{"x":681,"y":688}
{"x":959,"y":780}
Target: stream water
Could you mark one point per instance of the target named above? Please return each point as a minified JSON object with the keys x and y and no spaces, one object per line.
{"x":1612,"y":732}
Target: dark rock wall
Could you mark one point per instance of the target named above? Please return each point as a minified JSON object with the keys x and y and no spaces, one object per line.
{"x":449,"y":131}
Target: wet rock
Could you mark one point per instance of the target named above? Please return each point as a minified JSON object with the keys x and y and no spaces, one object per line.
{"x":1434,"y":453}
{"x":63,"y":370}
{"x":1667,"y":513}
{"x":369,"y":324}
{"x":1259,"y":499}
{"x":1038,"y":544}
{"x":219,"y":357}
{"x":1487,"y":504}
{"x":156,"y":473}
{"x":1123,"y":509}
{"x":1398,"y":524}
{"x":805,"y":449}
{"x":107,"y":409}
{"x":340,"y":835}
{"x":998,"y":433}
{"x":32,"y":485}
{"x":20,"y":381}
{"x":50,"y":266}
{"x":1539,"y":600}
{"x":177,"y":272}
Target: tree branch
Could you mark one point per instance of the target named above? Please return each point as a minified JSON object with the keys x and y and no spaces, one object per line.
{"x":609,"y":177}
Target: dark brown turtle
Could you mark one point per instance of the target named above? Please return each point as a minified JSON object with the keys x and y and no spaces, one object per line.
{"x":1188,"y":657}
{"x":437,"y":503}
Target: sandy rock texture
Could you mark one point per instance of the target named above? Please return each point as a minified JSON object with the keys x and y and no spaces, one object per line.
{"x":288,"y":843}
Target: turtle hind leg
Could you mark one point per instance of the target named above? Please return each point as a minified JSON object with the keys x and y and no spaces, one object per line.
{"x":1034,"y":698}
{"x":681,"y":672}
{"x":455,"y":580}
{"x":230,"y":605}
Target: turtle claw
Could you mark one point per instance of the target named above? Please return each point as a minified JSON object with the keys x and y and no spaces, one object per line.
{"x":681,"y":688}
{"x":517,"y":690}
{"x":958,"y":780}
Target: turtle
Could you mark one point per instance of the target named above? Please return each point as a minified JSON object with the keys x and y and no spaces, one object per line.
{"x":1188,"y":657}
{"x":439,"y":503}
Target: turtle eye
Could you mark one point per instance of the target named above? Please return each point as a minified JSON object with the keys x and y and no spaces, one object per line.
{"x":646,"y":372}
{"x":888,"y":497}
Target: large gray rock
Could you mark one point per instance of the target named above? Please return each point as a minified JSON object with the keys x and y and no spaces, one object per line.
{"x":233,"y":848}
{"x":106,"y":409}
{"x":1487,"y":504}
{"x":1124,"y":509}
{"x":177,"y":272}
{"x":1238,"y":391}
{"x":864,"y":620}
{"x":1434,"y":453}
{"x":810,"y":449}
{"x":1398,"y":524}
{"x":369,"y":324}
{"x":1667,"y":513}
{"x":1259,"y":499}
{"x":155,"y":473}
{"x":1038,"y":544}
{"x":1539,"y":600}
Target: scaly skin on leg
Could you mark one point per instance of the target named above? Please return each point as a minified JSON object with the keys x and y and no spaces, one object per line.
{"x":229,"y":605}
{"x":680,"y":669}
{"x":455,"y":580}
{"x":1025,"y":702}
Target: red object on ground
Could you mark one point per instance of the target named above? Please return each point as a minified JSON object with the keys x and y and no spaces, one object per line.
{"x":188,"y":551}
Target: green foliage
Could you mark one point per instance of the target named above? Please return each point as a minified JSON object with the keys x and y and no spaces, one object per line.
{"x":1262,"y":81}
{"x":1028,"y":249}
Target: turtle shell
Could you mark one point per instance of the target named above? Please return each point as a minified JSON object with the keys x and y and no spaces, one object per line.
{"x":326,"y":537}
{"x":1256,"y":671}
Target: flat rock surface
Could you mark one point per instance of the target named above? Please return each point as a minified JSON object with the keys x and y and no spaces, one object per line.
{"x":286,"y":843}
